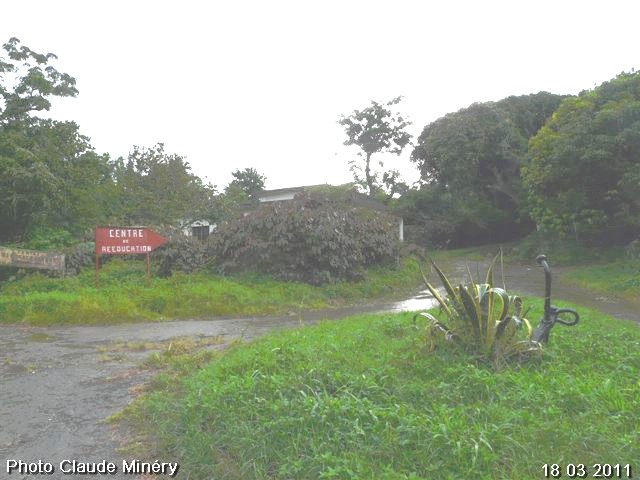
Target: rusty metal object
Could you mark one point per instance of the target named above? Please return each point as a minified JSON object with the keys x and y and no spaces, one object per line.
{"x":551,"y":314}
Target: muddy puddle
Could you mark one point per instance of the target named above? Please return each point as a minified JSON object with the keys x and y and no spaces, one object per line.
{"x":59,"y":384}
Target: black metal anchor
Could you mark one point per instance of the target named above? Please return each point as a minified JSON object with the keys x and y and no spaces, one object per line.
{"x":551,"y":313}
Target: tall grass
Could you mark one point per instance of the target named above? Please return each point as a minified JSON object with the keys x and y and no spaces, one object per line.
{"x":125,"y":295}
{"x":362,"y":398}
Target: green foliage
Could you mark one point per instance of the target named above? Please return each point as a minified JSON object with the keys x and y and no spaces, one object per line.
{"x":376,"y":130}
{"x":50,"y":177}
{"x":359,"y":398}
{"x":583,"y":177}
{"x":433,"y":217}
{"x":79,"y":256}
{"x":564,"y":251}
{"x":156,"y":188}
{"x":484,"y":318}
{"x":46,"y":238}
{"x":27,"y":81}
{"x":248,"y":181}
{"x":126,"y":296}
{"x":310,"y":238}
{"x":471,"y":160}
{"x":179,"y":254}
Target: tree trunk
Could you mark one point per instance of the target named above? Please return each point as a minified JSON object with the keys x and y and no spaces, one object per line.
{"x":367,"y":172}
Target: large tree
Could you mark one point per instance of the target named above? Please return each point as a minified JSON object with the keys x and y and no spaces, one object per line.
{"x":27,"y":81}
{"x":159,"y":188}
{"x":376,"y":129}
{"x":248,"y":181}
{"x":584,"y":175}
{"x":474,"y":156}
{"x":50,"y":176}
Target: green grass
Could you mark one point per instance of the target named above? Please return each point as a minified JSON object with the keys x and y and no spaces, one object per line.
{"x":125,"y":296}
{"x":621,"y":278}
{"x":362,"y":398}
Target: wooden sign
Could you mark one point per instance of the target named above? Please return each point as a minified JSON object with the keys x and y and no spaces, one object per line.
{"x":19,"y":258}
{"x":126,"y":240}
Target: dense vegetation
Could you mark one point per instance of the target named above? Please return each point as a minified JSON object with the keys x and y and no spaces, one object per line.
{"x":312,"y":238}
{"x":470,"y":167}
{"x":492,"y":172}
{"x":51,"y":178}
{"x":583,"y":179}
{"x":362,"y":398}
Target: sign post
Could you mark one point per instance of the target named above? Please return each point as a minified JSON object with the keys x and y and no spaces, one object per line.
{"x":126,"y":241}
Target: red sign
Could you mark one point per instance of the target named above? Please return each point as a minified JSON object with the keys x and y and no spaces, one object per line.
{"x":126,"y":240}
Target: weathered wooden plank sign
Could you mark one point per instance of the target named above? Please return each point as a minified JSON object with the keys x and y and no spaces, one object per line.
{"x":20,"y":258}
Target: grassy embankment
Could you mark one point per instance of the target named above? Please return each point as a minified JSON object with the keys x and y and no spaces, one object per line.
{"x":362,"y":398}
{"x":125,"y":296}
{"x":603,"y":271}
{"x":620,"y":278}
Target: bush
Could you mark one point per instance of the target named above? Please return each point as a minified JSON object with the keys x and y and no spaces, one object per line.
{"x":312,"y":238}
{"x":46,"y":239}
{"x":79,"y":256}
{"x":180,"y":254}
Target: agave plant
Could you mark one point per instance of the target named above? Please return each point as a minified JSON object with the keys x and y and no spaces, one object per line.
{"x":482,"y":316}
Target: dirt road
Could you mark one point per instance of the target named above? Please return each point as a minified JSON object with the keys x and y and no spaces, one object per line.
{"x":57,"y":388}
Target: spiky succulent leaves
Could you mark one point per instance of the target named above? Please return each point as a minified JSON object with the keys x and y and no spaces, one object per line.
{"x":471,"y":280}
{"x":453,"y":295}
{"x":502,"y":269}
{"x":473,"y":311}
{"x":519,"y":316}
{"x":489,"y":278}
{"x":480,"y":319}
{"x":434,"y":292}
{"x":495,"y":315}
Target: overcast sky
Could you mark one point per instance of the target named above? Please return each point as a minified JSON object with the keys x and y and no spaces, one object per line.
{"x":262,"y":84}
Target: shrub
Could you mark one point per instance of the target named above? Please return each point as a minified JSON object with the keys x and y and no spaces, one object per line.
{"x":180,"y":254}
{"x":79,"y":256}
{"x":311,"y":238}
{"x":45,"y":238}
{"x":484,"y":318}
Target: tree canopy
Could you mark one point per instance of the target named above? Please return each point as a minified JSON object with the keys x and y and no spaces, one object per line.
{"x":248,"y":181}
{"x":474,"y":155}
{"x":158,"y":188}
{"x":583,"y":179}
{"x":376,"y":129}
{"x":27,"y":81}
{"x":50,"y":176}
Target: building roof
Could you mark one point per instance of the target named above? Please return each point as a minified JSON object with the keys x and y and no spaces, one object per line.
{"x":346,"y":192}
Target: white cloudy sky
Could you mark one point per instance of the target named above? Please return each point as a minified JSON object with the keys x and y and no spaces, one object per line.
{"x":262,"y":83}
